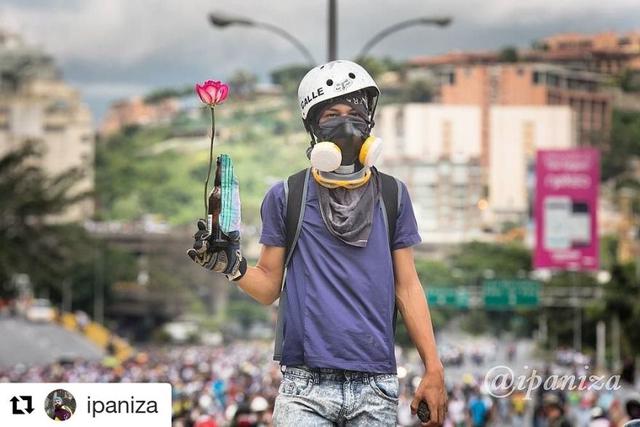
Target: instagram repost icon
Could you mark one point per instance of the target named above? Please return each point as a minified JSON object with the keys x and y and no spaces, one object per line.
{"x":60,"y":405}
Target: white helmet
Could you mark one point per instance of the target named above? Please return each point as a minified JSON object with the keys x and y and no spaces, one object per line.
{"x":331,"y":80}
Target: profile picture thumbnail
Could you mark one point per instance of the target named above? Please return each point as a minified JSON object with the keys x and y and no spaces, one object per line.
{"x":60,"y":405}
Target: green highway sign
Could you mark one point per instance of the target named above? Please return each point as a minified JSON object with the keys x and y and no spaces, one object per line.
{"x":448,"y":297}
{"x":503,"y":294}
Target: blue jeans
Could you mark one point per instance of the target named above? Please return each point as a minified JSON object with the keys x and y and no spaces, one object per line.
{"x":335,"y":397}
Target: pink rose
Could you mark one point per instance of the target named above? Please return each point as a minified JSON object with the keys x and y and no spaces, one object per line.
{"x":212,"y":92}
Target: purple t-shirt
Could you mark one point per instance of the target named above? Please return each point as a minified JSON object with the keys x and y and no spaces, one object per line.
{"x":340,"y":298}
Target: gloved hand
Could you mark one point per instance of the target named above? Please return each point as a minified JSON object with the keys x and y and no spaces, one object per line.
{"x":222,"y":255}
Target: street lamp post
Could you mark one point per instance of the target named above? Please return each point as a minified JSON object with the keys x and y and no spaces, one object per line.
{"x":439,"y":22}
{"x":332,"y":30}
{"x":222,"y":21}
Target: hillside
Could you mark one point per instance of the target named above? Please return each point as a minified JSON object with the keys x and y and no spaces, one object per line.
{"x":160,"y":170}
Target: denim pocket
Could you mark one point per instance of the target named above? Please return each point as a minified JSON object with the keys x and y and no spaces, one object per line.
{"x":293,"y":385}
{"x":385,"y":386}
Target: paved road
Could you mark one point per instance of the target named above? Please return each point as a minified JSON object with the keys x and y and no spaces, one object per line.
{"x":494,"y":352}
{"x":40,"y":343}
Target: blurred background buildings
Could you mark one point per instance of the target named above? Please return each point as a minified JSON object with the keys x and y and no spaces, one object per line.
{"x":37,"y":105}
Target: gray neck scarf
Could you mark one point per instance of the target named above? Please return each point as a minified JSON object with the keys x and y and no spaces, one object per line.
{"x":348,"y":214}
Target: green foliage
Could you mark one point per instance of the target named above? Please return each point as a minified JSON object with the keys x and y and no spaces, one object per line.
{"x":629,"y":81}
{"x":625,"y":143}
{"x":29,"y":241}
{"x":289,"y":77}
{"x":247,"y":312}
{"x":508,"y":54}
{"x":132,"y":181}
{"x":476,"y":322}
{"x":243,"y":309}
{"x":622,"y":297}
{"x":420,"y":90}
{"x":435,"y":273}
{"x":376,"y":67}
{"x":143,"y":171}
{"x":100,"y":264}
{"x":476,"y":259}
{"x":50,"y":252}
{"x":242,"y":84}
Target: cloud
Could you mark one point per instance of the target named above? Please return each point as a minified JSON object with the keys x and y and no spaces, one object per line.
{"x":150,"y":43}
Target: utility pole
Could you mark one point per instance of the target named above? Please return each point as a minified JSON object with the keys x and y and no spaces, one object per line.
{"x":601,"y":343}
{"x":332,"y":28}
{"x":616,"y":362}
{"x":67,"y":296}
{"x":98,"y":287}
{"x":577,"y":320}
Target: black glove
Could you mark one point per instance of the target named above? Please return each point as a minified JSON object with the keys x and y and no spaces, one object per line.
{"x":220,"y":255}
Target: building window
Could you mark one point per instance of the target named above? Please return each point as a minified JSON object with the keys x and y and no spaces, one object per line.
{"x":452,"y":78}
{"x":536,"y":77}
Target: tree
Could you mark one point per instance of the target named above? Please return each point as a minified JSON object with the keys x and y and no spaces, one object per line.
{"x":622,"y":299}
{"x":625,"y":144}
{"x":242,"y":83}
{"x":31,"y":240}
{"x":419,"y":90}
{"x":289,"y":77}
{"x":508,"y":54}
{"x":629,"y":81}
{"x":476,"y":259}
{"x":376,"y":66}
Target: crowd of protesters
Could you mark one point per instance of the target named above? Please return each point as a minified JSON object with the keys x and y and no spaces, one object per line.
{"x":236,"y":385}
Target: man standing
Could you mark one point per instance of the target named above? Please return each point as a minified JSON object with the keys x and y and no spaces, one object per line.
{"x":346,"y":274}
{"x":61,"y":412}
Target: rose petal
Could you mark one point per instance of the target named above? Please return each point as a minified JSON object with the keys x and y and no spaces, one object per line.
{"x":223,"y":92}
{"x":213,"y":93}
{"x":203,"y":94}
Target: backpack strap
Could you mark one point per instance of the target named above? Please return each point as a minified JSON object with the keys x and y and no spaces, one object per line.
{"x":390,"y":205}
{"x":391,"y":198}
{"x":295,"y":196}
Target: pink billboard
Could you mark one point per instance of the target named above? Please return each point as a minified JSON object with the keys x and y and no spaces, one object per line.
{"x":567,"y":183}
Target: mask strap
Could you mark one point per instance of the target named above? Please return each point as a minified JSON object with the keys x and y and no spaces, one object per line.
{"x":372,"y":123}
{"x":313,"y":138}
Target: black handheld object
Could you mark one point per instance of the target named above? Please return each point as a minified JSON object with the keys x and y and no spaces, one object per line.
{"x":423,"y":412}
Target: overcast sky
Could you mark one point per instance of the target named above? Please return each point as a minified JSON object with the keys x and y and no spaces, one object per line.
{"x":115,"y":48}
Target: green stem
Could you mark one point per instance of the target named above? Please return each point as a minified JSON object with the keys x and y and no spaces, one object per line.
{"x":206,"y":183}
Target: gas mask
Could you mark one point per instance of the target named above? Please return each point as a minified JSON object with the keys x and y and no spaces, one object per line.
{"x":343,"y":140}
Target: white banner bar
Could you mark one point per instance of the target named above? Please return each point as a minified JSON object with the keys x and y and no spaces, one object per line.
{"x":85,"y":404}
